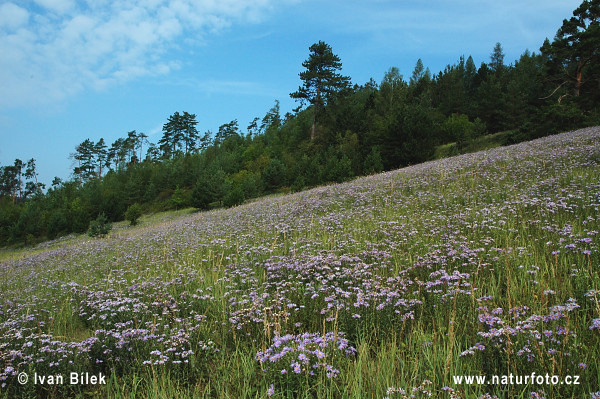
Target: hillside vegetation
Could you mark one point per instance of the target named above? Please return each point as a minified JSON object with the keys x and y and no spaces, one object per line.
{"x":481,"y":264}
{"x":340,"y":130}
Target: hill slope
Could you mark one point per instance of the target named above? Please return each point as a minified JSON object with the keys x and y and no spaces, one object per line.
{"x":481,"y":264}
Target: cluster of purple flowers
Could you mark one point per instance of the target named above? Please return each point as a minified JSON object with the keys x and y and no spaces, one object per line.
{"x":306,"y":354}
{"x":527,"y":334}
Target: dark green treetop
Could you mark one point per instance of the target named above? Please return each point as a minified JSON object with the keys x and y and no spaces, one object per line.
{"x":321,"y":79}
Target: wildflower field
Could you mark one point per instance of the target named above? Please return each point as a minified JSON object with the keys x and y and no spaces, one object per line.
{"x":388,"y":286}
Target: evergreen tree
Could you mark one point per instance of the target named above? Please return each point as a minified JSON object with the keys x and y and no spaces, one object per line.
{"x":575,"y":51}
{"x":117,"y":154}
{"x":133,"y":213}
{"x":32,"y":187}
{"x":253,"y":128}
{"x":272,"y":118}
{"x":420,"y":79}
{"x":418,"y":73}
{"x":84,"y":157}
{"x":391,"y":89}
{"x":99,"y":227}
{"x":373,"y":162}
{"x":142,"y":139}
{"x":178,"y":199}
{"x":190,"y":133}
{"x":101,"y":155}
{"x":173,"y":135}
{"x":204,"y":141}
{"x":497,"y":59}
{"x":227,"y":130}
{"x":321,"y":80}
{"x":10,"y":180}
{"x":130,"y":144}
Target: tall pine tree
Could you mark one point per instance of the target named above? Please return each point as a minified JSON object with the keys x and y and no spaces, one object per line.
{"x":321,"y":80}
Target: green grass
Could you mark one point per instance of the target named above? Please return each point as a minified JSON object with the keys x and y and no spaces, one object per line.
{"x":482,"y":143}
{"x":411,"y":266}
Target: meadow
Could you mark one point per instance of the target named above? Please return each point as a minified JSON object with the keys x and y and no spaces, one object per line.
{"x":387,"y":286}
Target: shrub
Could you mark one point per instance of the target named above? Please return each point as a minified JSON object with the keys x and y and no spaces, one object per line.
{"x":274,"y":174}
{"x":178,"y":199}
{"x":202,"y":196}
{"x":458,"y":128}
{"x":99,"y":227}
{"x":57,"y":224}
{"x":373,"y":162}
{"x":234,"y":197}
{"x":299,"y":184}
{"x":133,"y":213}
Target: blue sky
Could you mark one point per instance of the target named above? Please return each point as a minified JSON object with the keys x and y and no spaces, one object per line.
{"x":77,"y":69}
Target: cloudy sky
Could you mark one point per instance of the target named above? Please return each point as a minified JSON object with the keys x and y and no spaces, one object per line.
{"x":77,"y":69}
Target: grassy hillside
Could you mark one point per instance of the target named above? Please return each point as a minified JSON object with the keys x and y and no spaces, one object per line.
{"x":388,"y":286}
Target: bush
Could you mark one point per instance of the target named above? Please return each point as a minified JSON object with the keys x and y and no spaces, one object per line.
{"x":458,"y":128}
{"x":178,"y":199}
{"x":57,"y":224}
{"x":202,"y":196}
{"x":250,"y":182}
{"x":99,"y":227}
{"x":234,"y":197}
{"x":274,"y":174}
{"x":299,"y":184}
{"x":338,"y":169}
{"x":373,"y":162}
{"x":133,"y":213}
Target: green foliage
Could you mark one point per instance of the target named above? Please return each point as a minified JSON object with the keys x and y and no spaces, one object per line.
{"x":459,"y":128}
{"x":274,"y":174}
{"x":345,"y":132}
{"x":57,"y":224}
{"x":9,"y":215}
{"x":99,"y":227}
{"x":178,"y":199}
{"x":321,"y":81}
{"x":202,"y":196}
{"x":79,"y":216}
{"x":234,"y":197}
{"x":338,"y":169}
{"x":133,"y":213}
{"x":373,"y":162}
{"x":574,"y":54}
{"x":250,"y":183}
{"x":299,"y":184}
{"x":179,"y":135}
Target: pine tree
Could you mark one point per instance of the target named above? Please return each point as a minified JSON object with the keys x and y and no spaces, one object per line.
{"x":117,"y":153}
{"x":142,"y":139}
{"x":227,"y":130}
{"x":101,"y":155}
{"x":321,"y":80}
{"x":190,"y":133}
{"x":173,"y":135}
{"x":84,"y":156}
{"x":131,"y":145}
{"x":576,"y":47}
{"x":418,"y":73}
{"x":497,"y":59}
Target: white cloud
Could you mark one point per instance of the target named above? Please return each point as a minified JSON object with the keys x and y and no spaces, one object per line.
{"x":61,"y":47}
{"x":12,"y":16}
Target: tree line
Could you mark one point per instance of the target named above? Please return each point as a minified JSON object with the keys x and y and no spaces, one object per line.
{"x":339,"y":130}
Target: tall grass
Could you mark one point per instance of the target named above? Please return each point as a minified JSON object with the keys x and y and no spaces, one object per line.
{"x":388,"y":286}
